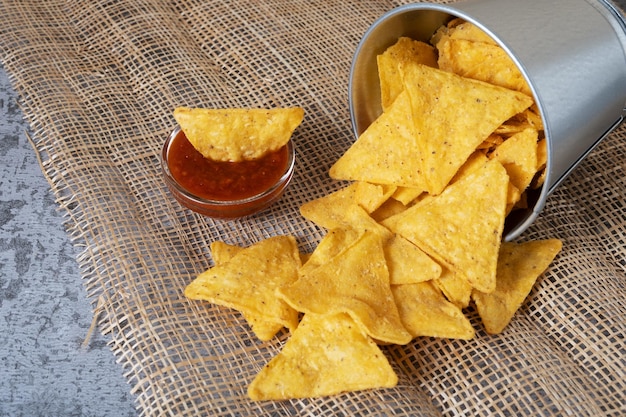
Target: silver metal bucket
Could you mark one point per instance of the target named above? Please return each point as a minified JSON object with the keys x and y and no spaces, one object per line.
{"x":571,"y":52}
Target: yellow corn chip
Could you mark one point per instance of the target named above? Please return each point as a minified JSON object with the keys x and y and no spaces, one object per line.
{"x":513,"y":197}
{"x":389,"y":208}
{"x":356,"y":282}
{"x":326,"y":355}
{"x":424,"y":311}
{"x":475,"y":162}
{"x":523,"y":202}
{"x":331,"y":245}
{"x":481,"y":61}
{"x":263,"y":329}
{"x":519,"y":266}
{"x":222,"y":252}
{"x":404,"y":50}
{"x":542,"y":160}
{"x":462,"y":227}
{"x":533,"y":118}
{"x":372,"y":196}
{"x":490,"y":143}
{"x":455,"y":287}
{"x":248,"y":281}
{"x":460,"y":29}
{"x":379,"y":155}
{"x":357,"y":218}
{"x":329,"y":211}
{"x":408,"y":264}
{"x":461,"y":114}
{"x":406,"y":195}
{"x":518,"y":155}
{"x":238,"y":134}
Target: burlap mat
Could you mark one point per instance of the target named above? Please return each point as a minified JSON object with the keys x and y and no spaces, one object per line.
{"x":98,"y":81}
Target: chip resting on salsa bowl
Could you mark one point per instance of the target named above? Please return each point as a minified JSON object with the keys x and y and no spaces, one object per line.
{"x":236,"y":135}
{"x":230,"y":163}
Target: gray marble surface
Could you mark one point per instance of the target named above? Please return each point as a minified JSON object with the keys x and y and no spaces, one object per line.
{"x":44,"y":313}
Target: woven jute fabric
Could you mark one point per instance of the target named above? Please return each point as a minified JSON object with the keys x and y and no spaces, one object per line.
{"x":98,"y":80}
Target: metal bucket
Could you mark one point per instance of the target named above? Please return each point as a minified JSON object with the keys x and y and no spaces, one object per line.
{"x":571,"y":52}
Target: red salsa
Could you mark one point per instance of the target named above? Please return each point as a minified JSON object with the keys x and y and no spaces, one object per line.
{"x":224,"y":181}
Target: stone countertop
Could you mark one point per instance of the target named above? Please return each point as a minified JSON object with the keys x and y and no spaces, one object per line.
{"x":45,"y":316}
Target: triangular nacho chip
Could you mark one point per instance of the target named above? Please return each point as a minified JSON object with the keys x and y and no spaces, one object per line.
{"x":372,"y":196}
{"x":460,"y":29}
{"x":380,"y":154}
{"x":406,"y":195}
{"x":542,"y":160}
{"x":407,"y":263}
{"x":481,"y":61}
{"x":404,"y":50}
{"x":221,"y":253}
{"x":331,"y":245}
{"x":518,"y":154}
{"x":452,"y":117}
{"x":424,"y":311}
{"x":356,"y":282}
{"x":462,"y":227}
{"x":390,"y":208}
{"x":519,"y":266}
{"x":238,"y":134}
{"x":455,"y":287}
{"x":329,"y":211}
{"x":326,"y":355}
{"x":263,"y":329}
{"x":248,"y":281}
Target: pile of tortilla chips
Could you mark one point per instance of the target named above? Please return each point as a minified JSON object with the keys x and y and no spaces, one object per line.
{"x":413,"y":239}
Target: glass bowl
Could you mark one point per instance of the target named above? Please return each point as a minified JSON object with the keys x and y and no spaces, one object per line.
{"x":224,"y":190}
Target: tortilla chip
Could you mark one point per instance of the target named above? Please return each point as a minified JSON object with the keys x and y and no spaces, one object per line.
{"x":481,"y":61}
{"x":455,"y":287}
{"x":513,"y":197}
{"x":238,"y":134}
{"x":379,"y":155}
{"x":424,"y":311}
{"x":462,"y":227}
{"x":248,"y":281}
{"x":329,"y":211}
{"x":263,"y":329}
{"x":408,"y":264}
{"x":406,"y":195}
{"x":518,"y":155}
{"x":491,"y":142}
{"x":542,"y":161}
{"x":326,"y":355}
{"x":475,"y":162}
{"x":460,"y":29}
{"x":533,"y":117}
{"x":356,"y":282}
{"x":404,"y":50}
{"x":331,"y":245}
{"x":390,"y":208}
{"x":519,"y":266}
{"x":222,"y":252}
{"x":372,"y":196}
{"x":461,"y":114}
